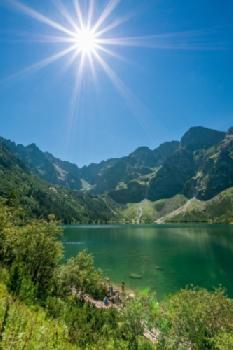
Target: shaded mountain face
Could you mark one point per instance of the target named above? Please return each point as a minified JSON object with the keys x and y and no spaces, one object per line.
{"x":171,"y":177}
{"x":197,"y":138}
{"x":123,"y":173}
{"x":201,"y":168}
{"x":214,"y":170}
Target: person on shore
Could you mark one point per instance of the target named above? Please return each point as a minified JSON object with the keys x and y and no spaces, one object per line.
{"x":106,"y":301}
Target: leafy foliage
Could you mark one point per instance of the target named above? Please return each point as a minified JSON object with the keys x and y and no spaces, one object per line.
{"x":22,"y":328}
{"x":195,"y":319}
{"x":80,"y":274}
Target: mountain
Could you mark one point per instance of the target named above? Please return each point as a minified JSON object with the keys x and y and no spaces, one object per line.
{"x":34,"y":197}
{"x":214,"y":170}
{"x":199,"y":165}
{"x":132,"y":172}
{"x":126,"y":179}
{"x":197,"y":138}
{"x":177,"y":180}
{"x":46,"y":166}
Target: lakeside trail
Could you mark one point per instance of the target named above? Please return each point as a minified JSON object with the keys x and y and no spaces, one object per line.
{"x":151,"y":335}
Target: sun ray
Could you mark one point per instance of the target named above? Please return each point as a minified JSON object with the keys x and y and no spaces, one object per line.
{"x":111,"y":53}
{"x":132,"y":101}
{"x":90,"y":13}
{"x":114,"y":24}
{"x":111,"y":74}
{"x":38,"y":16}
{"x":112,"y":4}
{"x":92,"y":66}
{"x":41,"y":38}
{"x":40,"y":64}
{"x":173,"y":41}
{"x":62,"y":9}
{"x":79,"y":13}
{"x":76,"y":94}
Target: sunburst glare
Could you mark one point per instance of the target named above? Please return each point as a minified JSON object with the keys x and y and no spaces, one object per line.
{"x":88,"y":38}
{"x":86,"y":41}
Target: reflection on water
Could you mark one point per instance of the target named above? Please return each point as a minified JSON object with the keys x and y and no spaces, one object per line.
{"x":168,"y":257}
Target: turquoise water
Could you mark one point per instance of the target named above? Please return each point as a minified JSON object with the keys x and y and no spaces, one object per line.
{"x":168,"y":257}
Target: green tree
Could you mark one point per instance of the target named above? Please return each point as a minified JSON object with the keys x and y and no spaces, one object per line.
{"x":79,"y":274}
{"x":34,"y":251}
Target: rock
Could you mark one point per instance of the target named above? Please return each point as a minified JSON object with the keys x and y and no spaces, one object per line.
{"x":135,"y":276}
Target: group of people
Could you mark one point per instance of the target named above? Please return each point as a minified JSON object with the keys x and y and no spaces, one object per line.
{"x":113,"y":296}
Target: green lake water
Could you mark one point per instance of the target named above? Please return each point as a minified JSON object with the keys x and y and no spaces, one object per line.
{"x":168,"y":257}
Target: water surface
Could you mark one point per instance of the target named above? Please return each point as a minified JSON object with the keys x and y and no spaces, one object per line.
{"x":168,"y":257}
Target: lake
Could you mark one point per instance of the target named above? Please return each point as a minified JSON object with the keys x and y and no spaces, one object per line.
{"x":167,"y":257}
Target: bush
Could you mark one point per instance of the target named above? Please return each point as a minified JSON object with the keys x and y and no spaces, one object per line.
{"x":22,"y":328}
{"x":191,"y":319}
{"x":79,"y":273}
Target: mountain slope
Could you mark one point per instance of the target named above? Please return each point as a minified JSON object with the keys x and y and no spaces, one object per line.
{"x":46,"y":166}
{"x":216,"y":210}
{"x":37,"y":198}
{"x":148,"y":211}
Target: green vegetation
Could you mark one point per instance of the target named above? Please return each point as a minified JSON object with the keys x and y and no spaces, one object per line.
{"x":196,"y":319}
{"x":40,"y":308}
{"x":152,"y":211}
{"x":179,"y":209}
{"x":79,"y":273}
{"x":216,"y":210}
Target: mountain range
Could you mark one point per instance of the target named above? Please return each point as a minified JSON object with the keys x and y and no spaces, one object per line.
{"x":199,"y":167}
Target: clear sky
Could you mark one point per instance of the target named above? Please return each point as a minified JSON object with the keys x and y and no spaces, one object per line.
{"x":179,"y":77}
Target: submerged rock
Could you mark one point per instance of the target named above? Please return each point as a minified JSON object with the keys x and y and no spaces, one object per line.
{"x":159,"y":268}
{"x":135,"y":276}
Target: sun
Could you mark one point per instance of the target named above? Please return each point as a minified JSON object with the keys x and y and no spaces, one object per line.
{"x":86,"y":41}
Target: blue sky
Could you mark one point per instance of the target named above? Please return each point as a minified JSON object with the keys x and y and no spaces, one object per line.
{"x":185,"y":81}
